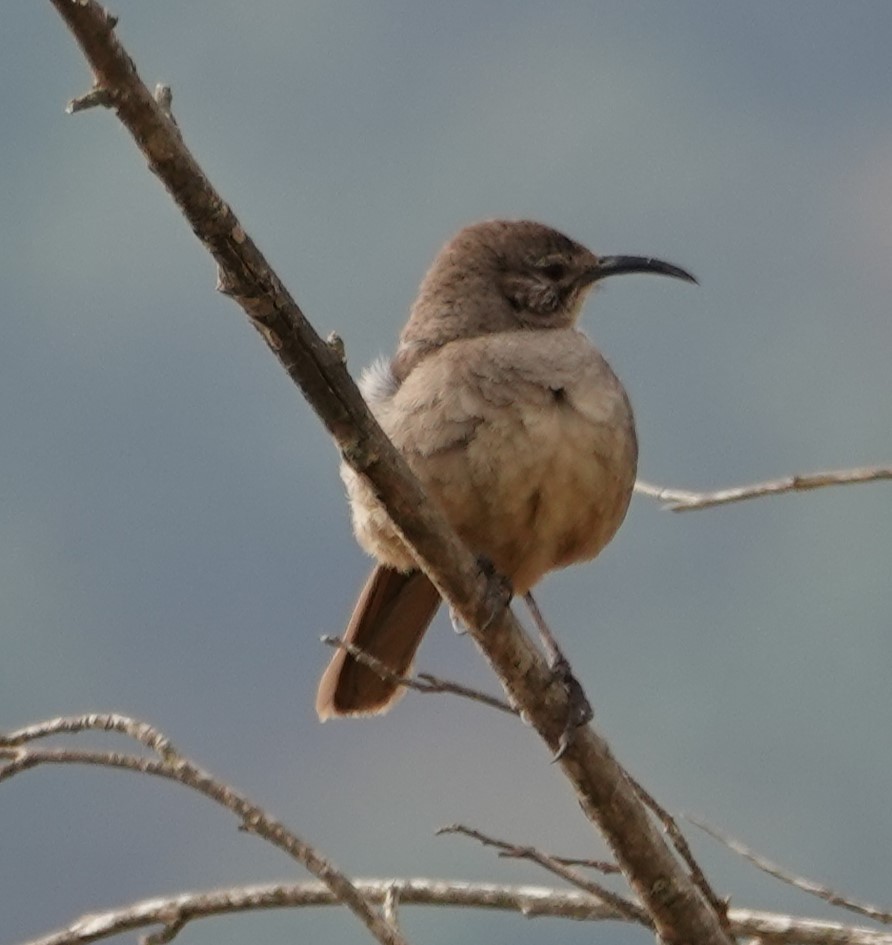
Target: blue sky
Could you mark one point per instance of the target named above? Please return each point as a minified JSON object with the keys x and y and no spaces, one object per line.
{"x":173,"y":534}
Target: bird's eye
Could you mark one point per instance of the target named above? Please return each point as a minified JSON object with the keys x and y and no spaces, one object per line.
{"x":554,"y":271}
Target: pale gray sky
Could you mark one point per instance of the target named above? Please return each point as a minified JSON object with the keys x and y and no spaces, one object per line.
{"x":173,"y":534}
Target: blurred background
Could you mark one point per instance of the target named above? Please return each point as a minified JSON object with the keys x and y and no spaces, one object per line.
{"x":173,"y":533}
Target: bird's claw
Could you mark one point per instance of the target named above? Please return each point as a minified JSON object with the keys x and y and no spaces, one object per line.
{"x":579,"y":710}
{"x":499,"y":593}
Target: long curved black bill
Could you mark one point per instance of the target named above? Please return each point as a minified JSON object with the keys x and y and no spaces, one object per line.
{"x":617,"y":265}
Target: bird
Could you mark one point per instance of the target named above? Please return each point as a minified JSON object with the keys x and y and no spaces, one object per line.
{"x":512,"y":420}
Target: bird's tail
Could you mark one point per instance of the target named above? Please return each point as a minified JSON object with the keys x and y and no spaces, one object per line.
{"x":388,"y":622}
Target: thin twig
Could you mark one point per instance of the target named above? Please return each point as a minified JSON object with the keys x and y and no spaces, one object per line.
{"x":516,"y":851}
{"x":602,"y":866}
{"x":95,"y":98}
{"x":682,"y":500}
{"x":800,"y":882}
{"x":625,"y":907}
{"x":422,"y":682}
{"x":142,"y":732}
{"x":18,"y":754}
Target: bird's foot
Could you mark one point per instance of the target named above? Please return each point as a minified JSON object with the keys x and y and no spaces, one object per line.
{"x":579,"y":710}
{"x":458,"y":624}
{"x":499,"y":593}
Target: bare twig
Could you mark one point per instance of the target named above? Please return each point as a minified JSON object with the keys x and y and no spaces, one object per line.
{"x":606,"y":797}
{"x":623,"y":906}
{"x":800,"y":882}
{"x":17,"y":755}
{"x":423,"y":682}
{"x":681,"y":500}
{"x":142,"y":732}
{"x":529,"y":901}
{"x":514,"y":851}
{"x":95,"y":98}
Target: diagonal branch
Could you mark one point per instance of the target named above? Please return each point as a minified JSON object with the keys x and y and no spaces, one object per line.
{"x":799,"y":882}
{"x":625,"y":907}
{"x":681,"y":500}
{"x":605,"y":795}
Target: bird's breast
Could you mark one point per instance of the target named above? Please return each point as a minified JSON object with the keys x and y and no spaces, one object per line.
{"x":564,"y":483}
{"x":527,"y":443}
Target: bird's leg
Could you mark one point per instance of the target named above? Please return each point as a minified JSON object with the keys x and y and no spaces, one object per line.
{"x":579,"y":711}
{"x":499,"y":592}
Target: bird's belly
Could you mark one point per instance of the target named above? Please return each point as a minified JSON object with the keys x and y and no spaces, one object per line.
{"x":543,"y":489}
{"x":532,"y":461}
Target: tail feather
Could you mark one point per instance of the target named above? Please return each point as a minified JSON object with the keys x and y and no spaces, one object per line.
{"x":391,"y":616}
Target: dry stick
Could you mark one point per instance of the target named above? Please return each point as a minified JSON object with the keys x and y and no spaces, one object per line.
{"x":602,"y":866}
{"x":16,"y":756}
{"x":528,"y":901}
{"x":679,"y":911}
{"x":514,"y":851}
{"x":800,"y":882}
{"x":426,"y":683}
{"x":142,"y":732}
{"x":681,"y":500}
{"x":623,"y":906}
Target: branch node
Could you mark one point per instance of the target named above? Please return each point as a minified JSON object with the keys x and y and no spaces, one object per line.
{"x":172,"y":927}
{"x":163,"y":95}
{"x":336,"y":343}
{"x":95,"y":98}
{"x":390,"y":906}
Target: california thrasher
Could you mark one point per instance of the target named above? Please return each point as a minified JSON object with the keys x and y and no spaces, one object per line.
{"x":512,"y":420}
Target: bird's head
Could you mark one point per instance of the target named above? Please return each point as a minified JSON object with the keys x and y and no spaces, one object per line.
{"x":508,"y":275}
